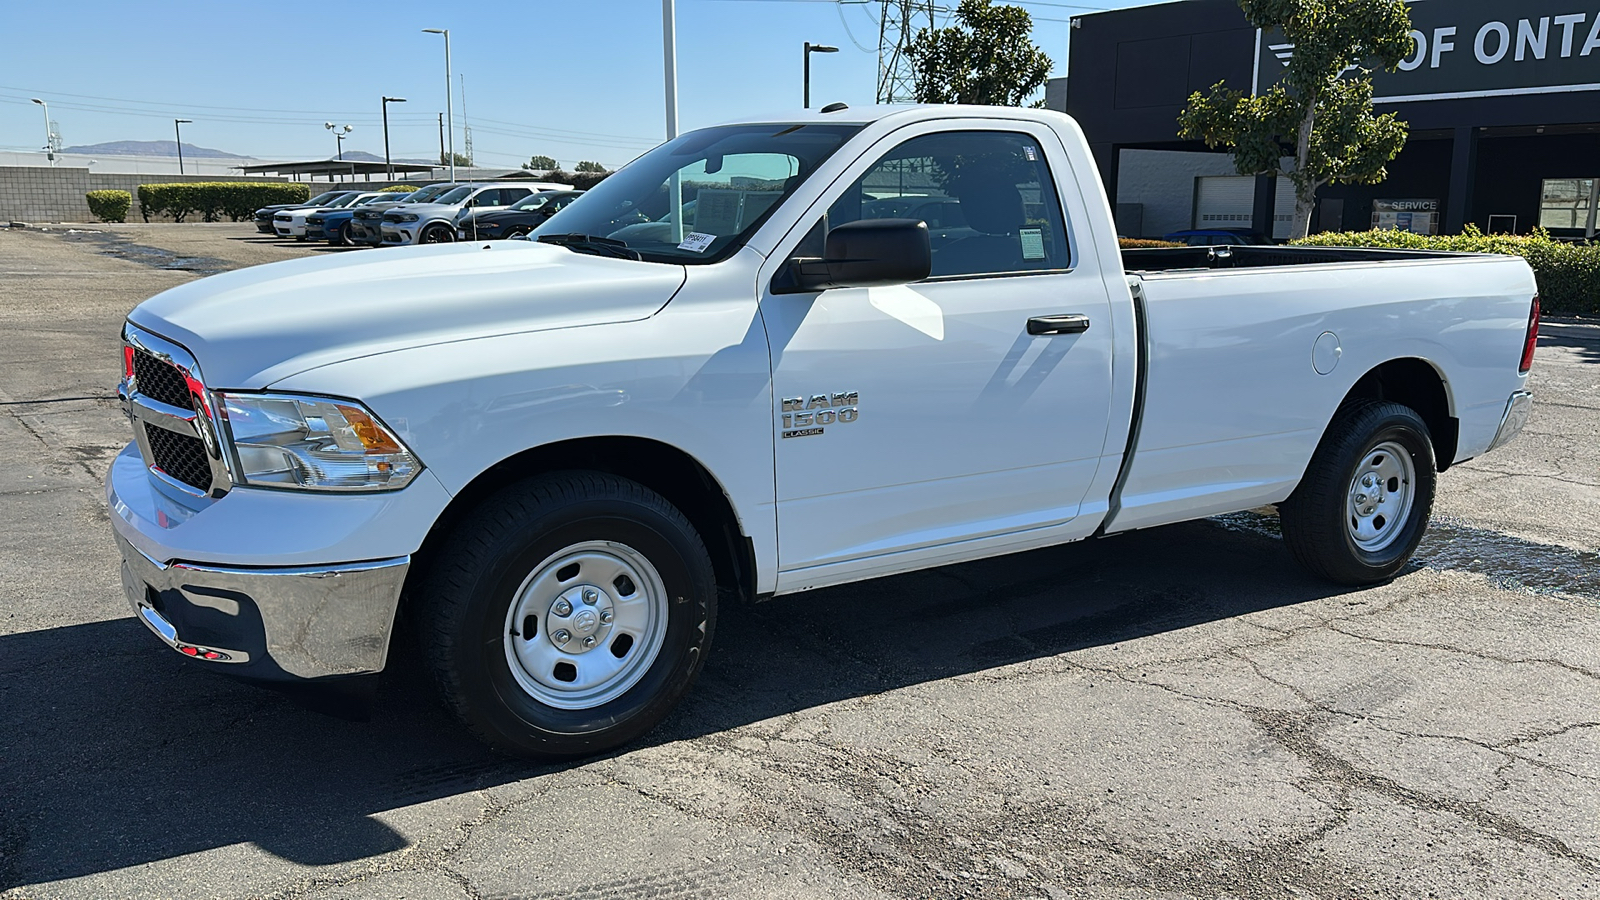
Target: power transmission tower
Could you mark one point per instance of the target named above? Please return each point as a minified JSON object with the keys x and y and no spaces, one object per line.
{"x":898,"y":23}
{"x":466,"y":130}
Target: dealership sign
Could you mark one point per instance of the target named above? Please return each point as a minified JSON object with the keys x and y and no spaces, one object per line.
{"x":1478,"y":48}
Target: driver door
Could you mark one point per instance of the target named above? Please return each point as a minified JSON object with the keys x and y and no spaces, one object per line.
{"x":921,"y":424}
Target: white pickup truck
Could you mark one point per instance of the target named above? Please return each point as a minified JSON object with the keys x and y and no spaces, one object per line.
{"x":877,"y":341}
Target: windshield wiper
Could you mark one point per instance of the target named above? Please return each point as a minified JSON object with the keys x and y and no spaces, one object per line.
{"x":592,"y":243}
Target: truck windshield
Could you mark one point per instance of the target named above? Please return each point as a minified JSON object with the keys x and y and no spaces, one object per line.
{"x":698,"y":198}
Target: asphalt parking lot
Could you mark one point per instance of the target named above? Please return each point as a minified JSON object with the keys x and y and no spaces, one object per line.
{"x":1168,"y":714}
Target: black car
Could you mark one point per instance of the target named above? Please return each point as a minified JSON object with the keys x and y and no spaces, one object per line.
{"x":515,"y":220}
{"x":264,"y":215}
{"x":365,"y":225}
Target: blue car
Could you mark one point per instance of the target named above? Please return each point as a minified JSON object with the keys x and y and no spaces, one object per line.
{"x":334,"y":224}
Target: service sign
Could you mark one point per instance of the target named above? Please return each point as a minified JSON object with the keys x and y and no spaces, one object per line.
{"x":1479,"y":48}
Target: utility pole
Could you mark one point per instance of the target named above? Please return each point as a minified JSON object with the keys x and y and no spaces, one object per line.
{"x":898,"y":23}
{"x":386,"y":161}
{"x":178,"y":132}
{"x":441,"y":139}
{"x":466,"y":130}
{"x":669,"y":57}
{"x":449,"y":112}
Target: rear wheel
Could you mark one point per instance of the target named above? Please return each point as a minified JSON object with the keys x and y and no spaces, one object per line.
{"x":568,"y":615}
{"x":1365,"y":500}
{"x":438,"y":234}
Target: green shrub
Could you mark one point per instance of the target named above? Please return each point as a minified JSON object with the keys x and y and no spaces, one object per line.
{"x":1568,"y":273}
{"x":109,"y":206}
{"x":1142,"y":244}
{"x":580,"y":181}
{"x":238,"y":200}
{"x":397,"y":189}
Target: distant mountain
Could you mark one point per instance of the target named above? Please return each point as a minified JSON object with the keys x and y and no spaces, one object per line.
{"x":150,"y":148}
{"x":364,"y":156}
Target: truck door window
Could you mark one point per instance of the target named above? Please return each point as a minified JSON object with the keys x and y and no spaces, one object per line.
{"x":987,"y":196}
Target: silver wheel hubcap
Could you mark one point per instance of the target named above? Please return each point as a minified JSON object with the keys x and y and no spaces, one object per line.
{"x":1381,"y":494}
{"x":586,"y":625}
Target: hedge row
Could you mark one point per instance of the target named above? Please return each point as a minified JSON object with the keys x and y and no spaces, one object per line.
{"x":397,"y":189}
{"x":1568,"y":273}
{"x":238,"y":200}
{"x":109,"y":206}
{"x":1144,"y":244}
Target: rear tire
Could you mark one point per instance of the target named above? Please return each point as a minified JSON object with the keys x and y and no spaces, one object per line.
{"x":1367,"y":495}
{"x":568,"y":615}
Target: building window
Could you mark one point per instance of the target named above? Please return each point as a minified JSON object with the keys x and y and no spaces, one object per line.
{"x":1566,"y":202}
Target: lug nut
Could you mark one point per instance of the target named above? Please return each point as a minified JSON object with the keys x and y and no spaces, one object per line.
{"x":562,"y":636}
{"x":590,"y":596}
{"x":589,"y":641}
{"x":562,"y":608}
{"x":606,"y":617}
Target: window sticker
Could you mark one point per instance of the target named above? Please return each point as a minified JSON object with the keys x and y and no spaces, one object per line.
{"x":1032,"y":243}
{"x":699,"y":241}
{"x":1030,"y":153}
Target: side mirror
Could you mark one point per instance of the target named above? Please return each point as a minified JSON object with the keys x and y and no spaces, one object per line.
{"x":867,"y":253}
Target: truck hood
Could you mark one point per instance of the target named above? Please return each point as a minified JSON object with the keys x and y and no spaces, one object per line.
{"x":252,"y":327}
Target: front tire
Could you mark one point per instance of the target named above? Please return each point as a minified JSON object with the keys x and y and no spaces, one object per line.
{"x":438,"y":234}
{"x":1364,"y":503}
{"x":568,"y":615}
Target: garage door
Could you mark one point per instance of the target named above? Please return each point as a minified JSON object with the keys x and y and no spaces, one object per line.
{"x":1227,"y":201}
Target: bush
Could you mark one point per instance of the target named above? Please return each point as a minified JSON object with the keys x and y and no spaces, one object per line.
{"x":397,"y":189}
{"x":238,"y":200}
{"x":1568,"y":274}
{"x":1142,"y":244}
{"x":109,"y":206}
{"x":580,"y":181}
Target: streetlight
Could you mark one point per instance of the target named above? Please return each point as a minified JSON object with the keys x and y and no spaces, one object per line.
{"x":179,"y":133}
{"x":448,"y":113}
{"x":810,"y":49}
{"x":386,"y":102}
{"x":49,"y":143}
{"x":339,"y":131}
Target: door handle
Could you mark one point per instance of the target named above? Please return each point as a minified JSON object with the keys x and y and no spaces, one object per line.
{"x":1068,"y":324}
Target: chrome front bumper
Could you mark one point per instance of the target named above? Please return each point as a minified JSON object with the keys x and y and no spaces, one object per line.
{"x":1518,"y":408}
{"x":270,"y":623}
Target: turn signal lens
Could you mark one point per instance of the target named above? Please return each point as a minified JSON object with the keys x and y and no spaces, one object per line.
{"x":127,"y":363}
{"x":1531,"y":343}
{"x":372,"y":435}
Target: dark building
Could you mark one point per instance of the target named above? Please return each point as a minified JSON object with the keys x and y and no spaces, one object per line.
{"x":1502,"y":98}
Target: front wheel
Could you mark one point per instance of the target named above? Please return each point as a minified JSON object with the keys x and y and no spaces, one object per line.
{"x":517,"y":231}
{"x":438,"y":234}
{"x":1366,"y":497}
{"x":568,"y":615}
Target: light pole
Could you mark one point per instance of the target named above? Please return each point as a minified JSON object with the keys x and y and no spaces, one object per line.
{"x":49,"y":143}
{"x":810,"y":49}
{"x":339,"y":131}
{"x":386,"y":102}
{"x":178,"y":132}
{"x":449,"y":113}
{"x":669,"y":58}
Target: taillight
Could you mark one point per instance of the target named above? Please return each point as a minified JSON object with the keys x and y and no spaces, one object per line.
{"x":1532,"y":341}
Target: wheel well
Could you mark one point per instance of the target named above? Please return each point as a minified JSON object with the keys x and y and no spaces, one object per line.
{"x":1417,"y":384}
{"x":665,"y":469}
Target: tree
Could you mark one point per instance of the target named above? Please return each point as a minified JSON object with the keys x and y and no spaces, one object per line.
{"x":1321,"y":110}
{"x":588,"y":166}
{"x":461,"y":159}
{"x":988,"y":57}
{"x":541,"y":163}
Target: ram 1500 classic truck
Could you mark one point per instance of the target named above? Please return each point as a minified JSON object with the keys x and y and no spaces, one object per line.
{"x":884,"y":340}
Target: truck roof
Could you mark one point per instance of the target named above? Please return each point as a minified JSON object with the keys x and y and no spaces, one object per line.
{"x":866,"y":115}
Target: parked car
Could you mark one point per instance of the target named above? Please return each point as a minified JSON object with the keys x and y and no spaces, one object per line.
{"x":366,"y":222}
{"x":515,"y":220}
{"x":435,"y":222}
{"x":561,"y":454}
{"x":332,"y":225}
{"x":263,"y":216}
{"x":1217,"y":237}
{"x":292,"y":222}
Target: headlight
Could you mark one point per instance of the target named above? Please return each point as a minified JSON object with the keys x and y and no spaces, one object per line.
{"x":407,"y":217}
{"x":489,"y":226}
{"x":313,"y":443}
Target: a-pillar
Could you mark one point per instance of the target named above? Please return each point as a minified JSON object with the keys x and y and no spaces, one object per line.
{"x":1463,"y":176}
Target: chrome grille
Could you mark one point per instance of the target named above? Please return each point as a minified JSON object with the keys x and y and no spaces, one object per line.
{"x":160,"y":381}
{"x":180,"y":456}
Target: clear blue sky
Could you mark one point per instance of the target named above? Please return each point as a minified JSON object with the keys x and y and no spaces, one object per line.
{"x":574,"y":80}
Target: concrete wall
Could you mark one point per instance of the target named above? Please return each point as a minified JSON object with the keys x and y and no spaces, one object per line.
{"x":44,"y":194}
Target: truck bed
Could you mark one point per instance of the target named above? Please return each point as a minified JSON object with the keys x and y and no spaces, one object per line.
{"x":1255,"y":257}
